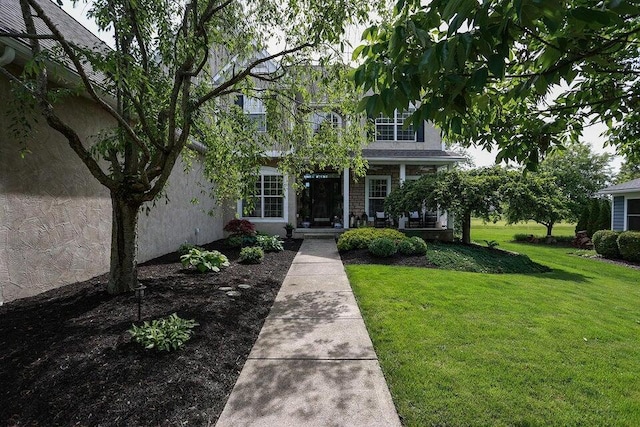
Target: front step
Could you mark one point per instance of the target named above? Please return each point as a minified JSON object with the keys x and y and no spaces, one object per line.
{"x":318,"y":233}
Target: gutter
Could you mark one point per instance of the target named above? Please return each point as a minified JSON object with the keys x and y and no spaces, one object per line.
{"x":8,"y":56}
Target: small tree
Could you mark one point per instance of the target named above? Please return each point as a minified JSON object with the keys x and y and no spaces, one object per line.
{"x":534,"y":197}
{"x":462,"y":193}
{"x":604,"y":219}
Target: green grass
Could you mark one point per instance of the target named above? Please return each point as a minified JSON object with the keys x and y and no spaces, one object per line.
{"x":556,"y":348}
{"x":480,"y":259}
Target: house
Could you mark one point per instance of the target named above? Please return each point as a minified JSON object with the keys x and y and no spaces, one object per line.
{"x":625,"y":208}
{"x":55,"y":218}
{"x":333,"y":199}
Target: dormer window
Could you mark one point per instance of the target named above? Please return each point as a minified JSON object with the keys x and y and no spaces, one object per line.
{"x":392,"y":128}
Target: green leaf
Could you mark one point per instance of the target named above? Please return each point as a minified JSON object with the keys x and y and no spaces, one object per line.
{"x":496,"y":65}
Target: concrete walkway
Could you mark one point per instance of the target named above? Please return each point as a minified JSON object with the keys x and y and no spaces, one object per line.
{"x":313,"y":363}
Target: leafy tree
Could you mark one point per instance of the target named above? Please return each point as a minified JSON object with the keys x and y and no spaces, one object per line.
{"x":579,"y":173}
{"x":462,"y":193}
{"x":628,"y":172}
{"x":524,"y":75}
{"x":535,"y":197}
{"x":158,"y":86}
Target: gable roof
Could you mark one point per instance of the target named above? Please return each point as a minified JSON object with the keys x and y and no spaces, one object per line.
{"x":625,"y":187}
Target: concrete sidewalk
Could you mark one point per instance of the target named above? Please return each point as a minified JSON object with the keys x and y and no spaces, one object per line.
{"x":313,"y":363}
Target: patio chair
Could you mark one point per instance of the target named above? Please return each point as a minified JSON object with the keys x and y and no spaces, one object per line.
{"x":381,"y":220}
{"x":415,"y":220}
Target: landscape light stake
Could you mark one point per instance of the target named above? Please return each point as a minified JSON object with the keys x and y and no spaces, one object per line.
{"x":140,"y":293}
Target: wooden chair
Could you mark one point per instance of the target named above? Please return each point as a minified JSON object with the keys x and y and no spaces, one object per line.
{"x":381,"y":220}
{"x":415,"y":219}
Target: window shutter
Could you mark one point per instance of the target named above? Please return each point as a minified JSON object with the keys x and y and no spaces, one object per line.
{"x":371,"y":129}
{"x":420,"y":132}
{"x":240,"y":101}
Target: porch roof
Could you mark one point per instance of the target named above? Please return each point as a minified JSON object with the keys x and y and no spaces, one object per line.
{"x":410,"y":156}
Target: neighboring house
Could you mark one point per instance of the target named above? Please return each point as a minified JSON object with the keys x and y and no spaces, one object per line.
{"x":55,"y":218}
{"x":625,"y":207}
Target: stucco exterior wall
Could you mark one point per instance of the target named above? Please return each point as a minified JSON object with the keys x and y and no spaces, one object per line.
{"x":55,"y":218}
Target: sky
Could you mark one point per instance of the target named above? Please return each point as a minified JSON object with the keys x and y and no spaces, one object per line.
{"x":592,"y":134}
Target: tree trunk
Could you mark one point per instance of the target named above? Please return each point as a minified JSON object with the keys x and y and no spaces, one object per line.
{"x":549,"y":229}
{"x":466,"y":228}
{"x":123,"y":274}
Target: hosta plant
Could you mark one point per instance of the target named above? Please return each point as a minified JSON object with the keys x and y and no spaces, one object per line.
{"x":269,"y":243}
{"x":166,"y":334}
{"x":204,"y":261}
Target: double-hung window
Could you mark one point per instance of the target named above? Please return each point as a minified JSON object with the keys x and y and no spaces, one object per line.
{"x":633,"y":214}
{"x":255,"y":110}
{"x":327,"y":119}
{"x":377,"y":189}
{"x":392,"y":128}
{"x":268,"y":200}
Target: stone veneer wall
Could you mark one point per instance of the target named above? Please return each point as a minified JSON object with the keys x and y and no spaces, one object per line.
{"x":55,"y":218}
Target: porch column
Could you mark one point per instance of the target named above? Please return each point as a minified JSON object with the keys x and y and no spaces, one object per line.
{"x":403,"y":177}
{"x":345,"y":198}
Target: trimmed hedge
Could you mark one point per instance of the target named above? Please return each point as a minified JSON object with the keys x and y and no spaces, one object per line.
{"x":360,"y":238}
{"x":419,"y":246}
{"x":605,"y":243}
{"x":406,"y":247}
{"x":383,"y":247}
{"x":629,"y":245}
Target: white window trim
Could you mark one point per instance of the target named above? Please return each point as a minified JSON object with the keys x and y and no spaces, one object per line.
{"x":626,"y":212}
{"x":366,"y":190}
{"x":324,"y":116}
{"x":268,"y":170}
{"x":395,"y":124}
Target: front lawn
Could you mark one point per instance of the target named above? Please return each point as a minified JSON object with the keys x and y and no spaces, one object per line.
{"x":556,"y":348}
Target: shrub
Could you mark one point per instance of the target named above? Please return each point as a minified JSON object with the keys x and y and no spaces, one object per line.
{"x":270,"y":243}
{"x":185,"y":248}
{"x":492,"y":244}
{"x":419,"y":246}
{"x":204,"y":260}
{"x":234,"y":241}
{"x":629,"y":245}
{"x":241,"y":227}
{"x":406,"y":247}
{"x":164,"y":334}
{"x":360,"y":238}
{"x":522,"y":237}
{"x":251,"y":255}
{"x":605,"y":243}
{"x":383,"y":247}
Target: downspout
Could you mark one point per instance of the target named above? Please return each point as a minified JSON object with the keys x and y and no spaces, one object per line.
{"x":8,"y":56}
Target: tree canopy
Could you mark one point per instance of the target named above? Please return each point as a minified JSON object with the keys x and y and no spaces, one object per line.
{"x":522,"y":75}
{"x":170,"y":81}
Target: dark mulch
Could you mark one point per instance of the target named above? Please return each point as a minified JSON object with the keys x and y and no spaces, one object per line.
{"x":66,"y":357}
{"x":362,"y":256}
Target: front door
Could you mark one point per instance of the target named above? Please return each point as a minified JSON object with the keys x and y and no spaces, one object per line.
{"x":321,"y":201}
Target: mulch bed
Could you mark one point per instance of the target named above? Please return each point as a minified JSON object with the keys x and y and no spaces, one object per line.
{"x":66,"y":357}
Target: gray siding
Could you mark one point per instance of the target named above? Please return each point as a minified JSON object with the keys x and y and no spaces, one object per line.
{"x":617,"y":219}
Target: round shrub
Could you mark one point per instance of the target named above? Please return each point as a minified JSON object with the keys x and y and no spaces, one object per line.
{"x":383,"y":247}
{"x":251,"y":255}
{"x":605,"y":243}
{"x":405,"y":247}
{"x":234,"y":241}
{"x":419,"y":246}
{"x":629,"y":245}
{"x":360,"y":238}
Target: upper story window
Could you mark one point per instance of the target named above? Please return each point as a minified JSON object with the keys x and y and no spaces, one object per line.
{"x":392,"y":128}
{"x":327,"y":119}
{"x":255,"y":110}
